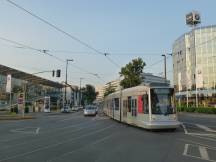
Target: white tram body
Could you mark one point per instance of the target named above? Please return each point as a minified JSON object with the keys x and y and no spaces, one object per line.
{"x":143,"y":106}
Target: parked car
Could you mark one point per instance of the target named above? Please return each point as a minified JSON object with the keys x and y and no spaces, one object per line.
{"x":65,"y":109}
{"x":96,"y":107}
{"x":90,"y":110}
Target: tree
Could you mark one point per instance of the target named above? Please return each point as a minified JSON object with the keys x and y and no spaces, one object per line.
{"x":110,"y":89}
{"x":131,"y":73}
{"x":88,"y":94}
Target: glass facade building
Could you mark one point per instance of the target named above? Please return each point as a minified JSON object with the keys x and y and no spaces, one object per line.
{"x":33,"y":88}
{"x":194,"y":66}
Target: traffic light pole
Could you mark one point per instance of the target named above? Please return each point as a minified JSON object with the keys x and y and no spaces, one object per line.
{"x":65,"y":93}
{"x":165,"y":73}
{"x":65,"y":98}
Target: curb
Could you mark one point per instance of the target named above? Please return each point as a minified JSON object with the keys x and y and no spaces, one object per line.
{"x":16,"y":117}
{"x":197,"y":114}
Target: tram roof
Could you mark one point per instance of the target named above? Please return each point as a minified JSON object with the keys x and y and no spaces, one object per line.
{"x":4,"y":70}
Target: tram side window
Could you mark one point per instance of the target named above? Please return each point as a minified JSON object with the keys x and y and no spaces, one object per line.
{"x":134,"y":107}
{"x":129,"y":104}
{"x":124,"y":103}
{"x":116,"y":102}
{"x":145,"y":104}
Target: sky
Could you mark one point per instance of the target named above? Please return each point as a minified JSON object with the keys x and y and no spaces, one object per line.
{"x":125,"y":29}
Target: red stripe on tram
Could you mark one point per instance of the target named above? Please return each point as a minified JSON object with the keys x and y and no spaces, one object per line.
{"x":140,"y":104}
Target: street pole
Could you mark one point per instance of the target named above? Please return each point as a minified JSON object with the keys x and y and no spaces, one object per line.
{"x":165,"y":73}
{"x":120,"y":104}
{"x":11,"y":103}
{"x":80,"y":97}
{"x":65,"y":98}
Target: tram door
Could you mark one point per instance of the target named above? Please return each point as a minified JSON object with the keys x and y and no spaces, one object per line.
{"x":125,"y":108}
{"x":134,"y":107}
{"x":113,"y":108}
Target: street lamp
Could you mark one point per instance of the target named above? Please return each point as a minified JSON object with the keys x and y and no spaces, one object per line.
{"x":66,"y":78}
{"x":165,"y":66}
{"x":80,"y":97}
{"x":165,"y":75}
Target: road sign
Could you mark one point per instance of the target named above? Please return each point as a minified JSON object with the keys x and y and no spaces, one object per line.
{"x":47,"y":104}
{"x":20,"y":98}
{"x":21,"y":103}
{"x":8,"y":85}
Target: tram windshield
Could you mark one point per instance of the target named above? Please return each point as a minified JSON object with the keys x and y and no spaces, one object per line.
{"x":162,"y":101}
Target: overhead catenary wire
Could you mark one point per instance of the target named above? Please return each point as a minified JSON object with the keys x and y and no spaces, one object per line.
{"x":110,"y":53}
{"x":23,"y":46}
{"x":75,"y":38}
{"x":63,"y":32}
{"x":46,"y":52}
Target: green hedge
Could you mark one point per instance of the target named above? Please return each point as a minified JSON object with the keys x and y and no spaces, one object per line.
{"x":206,"y":110}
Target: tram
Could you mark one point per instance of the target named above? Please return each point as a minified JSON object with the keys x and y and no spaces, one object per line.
{"x":146,"y":106}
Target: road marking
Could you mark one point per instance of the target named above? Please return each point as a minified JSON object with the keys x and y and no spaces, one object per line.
{"x":197,"y":143}
{"x":197,"y":157}
{"x":71,"y":118}
{"x":25,"y":130}
{"x":185,"y":149}
{"x":54,"y":145}
{"x":33,"y":140}
{"x":202,"y":134}
{"x":185,"y":129}
{"x":202,"y":150}
{"x":210,"y":139}
{"x":100,"y":118}
{"x":68,"y":153}
{"x":199,"y":134}
{"x":205,"y":128}
{"x":37,"y":130}
{"x":203,"y":153}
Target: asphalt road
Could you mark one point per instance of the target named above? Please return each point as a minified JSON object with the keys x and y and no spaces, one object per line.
{"x":75,"y":138}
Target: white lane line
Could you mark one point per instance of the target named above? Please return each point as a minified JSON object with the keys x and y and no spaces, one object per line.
{"x":202,"y":134}
{"x":25,"y":130}
{"x":210,"y":139}
{"x":203,"y":153}
{"x":71,"y":118}
{"x":191,"y":156}
{"x":37,"y":130}
{"x":197,"y":143}
{"x":73,"y":131}
{"x":185,"y":129}
{"x":185,"y":149}
{"x":54,"y":145}
{"x":205,"y":128}
{"x":71,"y":152}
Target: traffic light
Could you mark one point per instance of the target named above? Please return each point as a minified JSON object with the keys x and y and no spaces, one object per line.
{"x":53,"y":73}
{"x":58,"y":73}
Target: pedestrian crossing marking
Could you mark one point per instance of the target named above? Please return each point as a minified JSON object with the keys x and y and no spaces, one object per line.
{"x":202,"y":152}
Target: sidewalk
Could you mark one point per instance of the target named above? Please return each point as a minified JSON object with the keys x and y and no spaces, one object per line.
{"x":201,"y":115}
{"x":5,"y":115}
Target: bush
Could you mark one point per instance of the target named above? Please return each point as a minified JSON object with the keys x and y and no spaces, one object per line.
{"x":26,"y":109}
{"x":15,"y":109}
{"x":206,"y":110}
{"x":190,"y":109}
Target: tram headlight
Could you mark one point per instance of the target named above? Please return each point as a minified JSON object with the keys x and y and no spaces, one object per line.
{"x":153,"y":118}
{"x":173,"y":117}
